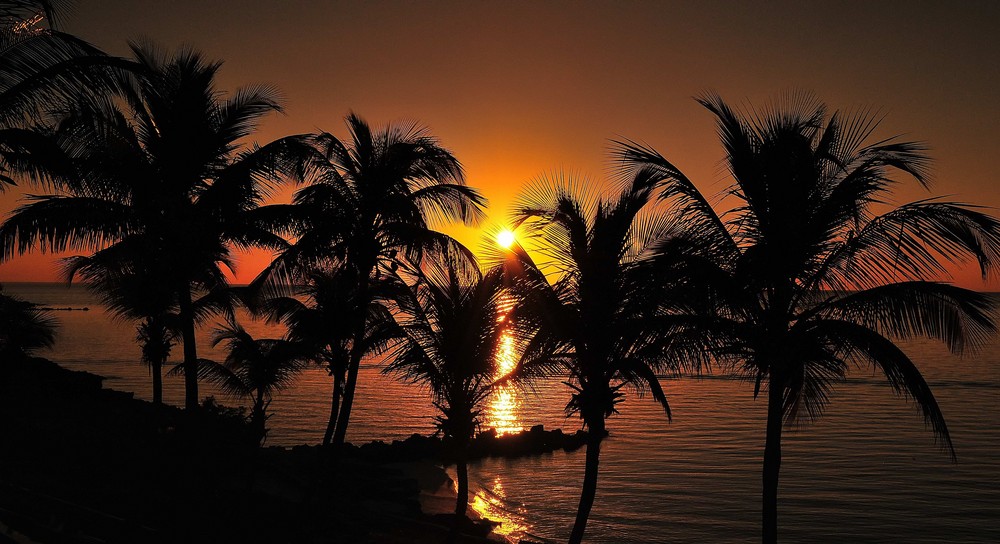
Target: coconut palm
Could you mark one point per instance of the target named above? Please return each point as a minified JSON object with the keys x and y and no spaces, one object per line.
{"x":813,"y":272}
{"x":370,"y":205}
{"x":451,"y":329}
{"x":603,"y":315}
{"x":23,"y":327}
{"x":255,"y":369}
{"x":159,"y":173}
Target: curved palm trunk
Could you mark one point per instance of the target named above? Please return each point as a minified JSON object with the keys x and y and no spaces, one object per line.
{"x":353,"y":365}
{"x":352,"y":382}
{"x":772,"y":461}
{"x":596,"y":430}
{"x":338,"y":385}
{"x":186,"y":308}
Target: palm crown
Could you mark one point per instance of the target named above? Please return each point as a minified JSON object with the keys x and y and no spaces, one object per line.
{"x":370,"y":204}
{"x":451,"y":327}
{"x":155,"y":183}
{"x":604,"y":318}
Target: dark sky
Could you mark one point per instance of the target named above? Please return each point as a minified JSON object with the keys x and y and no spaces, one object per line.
{"x":519,"y":89}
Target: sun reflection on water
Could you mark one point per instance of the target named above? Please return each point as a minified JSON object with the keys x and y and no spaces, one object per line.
{"x":504,"y":413}
{"x":491,"y":503}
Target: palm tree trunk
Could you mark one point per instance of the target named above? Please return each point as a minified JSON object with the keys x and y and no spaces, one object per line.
{"x":186,"y":308}
{"x":257,"y":417}
{"x":462,"y":501}
{"x":772,"y":460}
{"x":338,"y":385}
{"x":596,"y":430}
{"x":157,"y":368}
{"x":353,"y":365}
{"x":345,"y":410}
{"x":462,"y":470}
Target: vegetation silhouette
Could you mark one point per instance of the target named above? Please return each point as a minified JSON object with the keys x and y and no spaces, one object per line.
{"x":808,"y":272}
{"x":134,"y":287}
{"x":318,"y":311}
{"x":41,"y":70}
{"x":24,"y":328}
{"x":368,"y":206}
{"x":255,"y":369}
{"x":601,"y":318}
{"x":158,"y":175}
{"x":812,"y":272}
{"x":452,"y":327}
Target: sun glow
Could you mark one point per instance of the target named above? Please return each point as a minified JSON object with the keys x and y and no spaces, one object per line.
{"x":505,"y":239}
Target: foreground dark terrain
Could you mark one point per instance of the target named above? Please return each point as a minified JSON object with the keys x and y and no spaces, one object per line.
{"x":79,"y":463}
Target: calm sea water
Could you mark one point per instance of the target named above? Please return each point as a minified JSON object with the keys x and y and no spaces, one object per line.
{"x":867,"y":471}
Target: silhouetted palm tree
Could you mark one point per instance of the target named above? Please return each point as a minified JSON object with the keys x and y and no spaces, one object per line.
{"x":370,"y":205}
{"x":23,"y":327}
{"x":160,"y":173}
{"x":451,"y":329}
{"x":602,"y":316}
{"x":320,"y":313}
{"x":255,"y":369}
{"x":134,"y":287}
{"x":42,"y":69}
{"x":813,"y":272}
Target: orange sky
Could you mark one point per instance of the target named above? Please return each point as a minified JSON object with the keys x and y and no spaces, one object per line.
{"x":518,"y":89}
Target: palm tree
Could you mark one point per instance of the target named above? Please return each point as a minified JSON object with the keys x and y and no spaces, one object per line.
{"x":603,"y":316}
{"x":41,"y":69}
{"x":319,"y":312}
{"x":813,"y":272}
{"x":134,"y":287}
{"x":369,"y":207}
{"x":159,"y":173}
{"x":451,"y":332}
{"x":256,"y":369}
{"x":23,"y":328}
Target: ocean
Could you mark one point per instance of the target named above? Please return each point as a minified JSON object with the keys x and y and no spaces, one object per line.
{"x":867,"y":471}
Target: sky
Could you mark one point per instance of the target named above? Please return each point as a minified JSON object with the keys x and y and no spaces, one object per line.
{"x":522,"y":89}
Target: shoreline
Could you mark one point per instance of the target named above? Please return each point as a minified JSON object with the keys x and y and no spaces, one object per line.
{"x":82,"y":461}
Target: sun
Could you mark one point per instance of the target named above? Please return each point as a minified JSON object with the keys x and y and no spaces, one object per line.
{"x":505,"y":239}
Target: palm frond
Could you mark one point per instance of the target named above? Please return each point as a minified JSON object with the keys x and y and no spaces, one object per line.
{"x":865,"y":346}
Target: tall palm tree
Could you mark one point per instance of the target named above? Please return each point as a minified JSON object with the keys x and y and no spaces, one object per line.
{"x":371,"y":204}
{"x":813,"y":272}
{"x":23,"y":327}
{"x":451,"y":333}
{"x":603,"y":314}
{"x":159,"y":173}
{"x":256,"y":369}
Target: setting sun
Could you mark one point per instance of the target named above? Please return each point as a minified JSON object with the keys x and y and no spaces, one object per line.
{"x":505,"y":239}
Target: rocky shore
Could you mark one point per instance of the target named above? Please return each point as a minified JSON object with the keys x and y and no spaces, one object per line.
{"x":79,"y":463}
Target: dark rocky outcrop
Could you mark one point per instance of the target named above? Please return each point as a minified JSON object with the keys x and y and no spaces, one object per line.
{"x":82,"y":464}
{"x":535,"y":441}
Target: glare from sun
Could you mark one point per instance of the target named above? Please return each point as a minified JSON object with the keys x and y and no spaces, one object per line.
{"x":505,"y":239}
